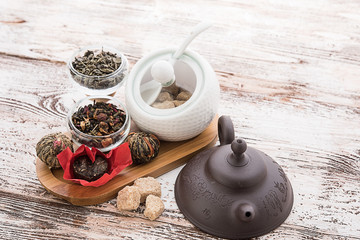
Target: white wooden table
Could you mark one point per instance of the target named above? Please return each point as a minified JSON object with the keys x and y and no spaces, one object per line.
{"x":289,"y":73}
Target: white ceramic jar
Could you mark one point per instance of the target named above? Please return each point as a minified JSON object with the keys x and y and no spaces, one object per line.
{"x":193,"y":73}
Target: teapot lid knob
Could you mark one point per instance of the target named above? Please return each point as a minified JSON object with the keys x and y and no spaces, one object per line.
{"x":233,"y":164}
{"x":238,"y":146}
{"x":238,"y":158}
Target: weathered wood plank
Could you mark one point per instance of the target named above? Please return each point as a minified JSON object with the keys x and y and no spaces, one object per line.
{"x":313,"y":160}
{"x":288,"y":73}
{"x":34,"y":218}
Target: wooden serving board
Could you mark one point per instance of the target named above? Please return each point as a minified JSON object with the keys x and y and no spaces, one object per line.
{"x":171,"y":155}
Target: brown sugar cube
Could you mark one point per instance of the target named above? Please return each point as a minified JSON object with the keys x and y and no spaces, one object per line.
{"x":164,"y":96}
{"x":154,"y":207}
{"x":147,"y":186}
{"x":128,"y":198}
{"x":163,"y":105}
{"x":183,"y":96}
{"x":172,"y":89}
{"x":178,"y":103}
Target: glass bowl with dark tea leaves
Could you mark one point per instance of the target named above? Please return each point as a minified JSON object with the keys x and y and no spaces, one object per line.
{"x":102,"y":122}
{"x":98,"y":70}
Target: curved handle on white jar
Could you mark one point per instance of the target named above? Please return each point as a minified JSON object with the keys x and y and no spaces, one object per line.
{"x":196,"y":31}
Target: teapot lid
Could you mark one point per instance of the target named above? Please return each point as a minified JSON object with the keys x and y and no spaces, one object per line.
{"x":232,"y":190}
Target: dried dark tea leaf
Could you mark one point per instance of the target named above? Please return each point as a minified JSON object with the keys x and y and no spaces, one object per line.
{"x":99,"y":119}
{"x":90,"y":171}
{"x":96,"y":69}
{"x":97,"y":64}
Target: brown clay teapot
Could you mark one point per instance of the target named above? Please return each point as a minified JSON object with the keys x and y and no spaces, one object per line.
{"x":233,"y":191}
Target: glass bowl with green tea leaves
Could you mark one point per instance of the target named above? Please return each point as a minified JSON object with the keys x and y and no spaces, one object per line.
{"x":102,"y":122}
{"x":98,"y":70}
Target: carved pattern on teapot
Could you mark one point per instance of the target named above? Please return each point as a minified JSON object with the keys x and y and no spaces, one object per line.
{"x":282,"y":187}
{"x":273,"y":199}
{"x":199,"y":189}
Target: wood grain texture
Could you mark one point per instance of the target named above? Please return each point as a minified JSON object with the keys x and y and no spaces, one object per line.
{"x":289,"y":77}
{"x":171,"y":155}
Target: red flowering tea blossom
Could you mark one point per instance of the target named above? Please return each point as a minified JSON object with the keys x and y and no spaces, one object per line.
{"x":118,"y":159}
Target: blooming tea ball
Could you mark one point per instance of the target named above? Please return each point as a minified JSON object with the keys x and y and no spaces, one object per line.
{"x":50,"y":146}
{"x":144,"y":147}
